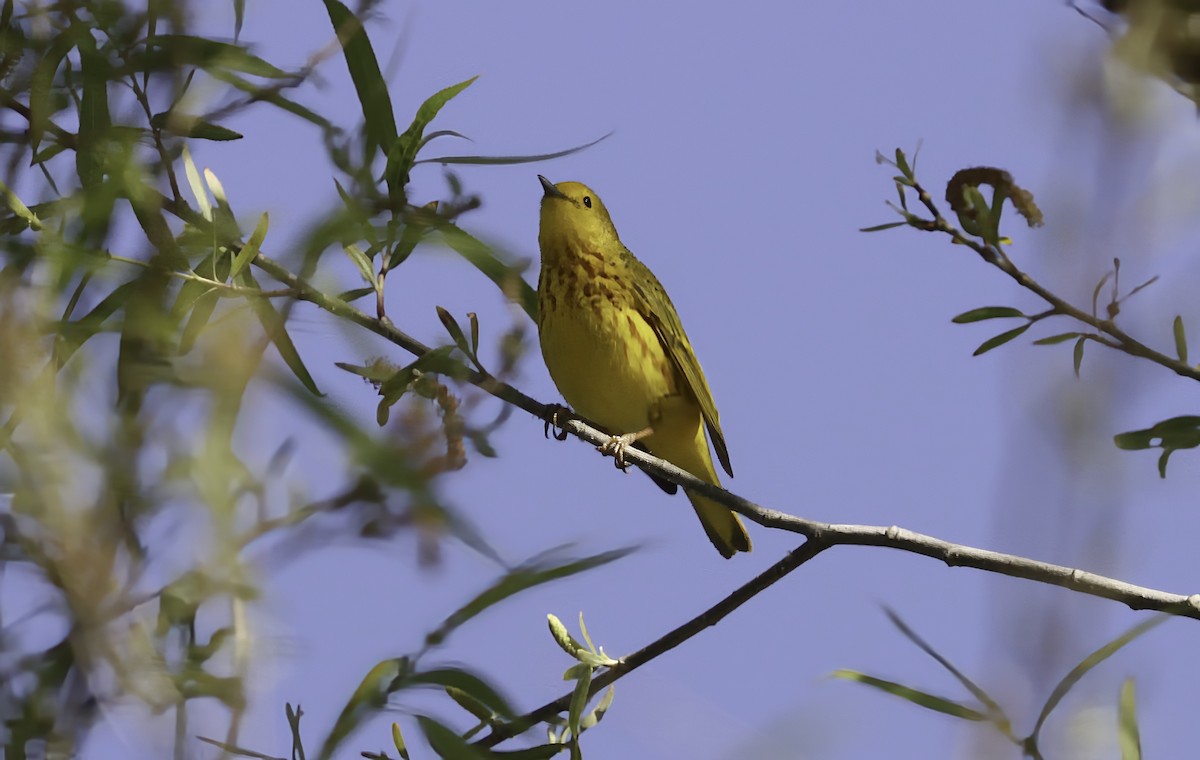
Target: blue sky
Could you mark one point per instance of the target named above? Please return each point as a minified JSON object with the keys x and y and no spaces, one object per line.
{"x":741,"y":168}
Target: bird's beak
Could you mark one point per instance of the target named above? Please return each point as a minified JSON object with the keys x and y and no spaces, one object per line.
{"x":549,"y":190}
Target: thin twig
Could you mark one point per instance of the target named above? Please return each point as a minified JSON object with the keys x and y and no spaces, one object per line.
{"x":663,"y":644}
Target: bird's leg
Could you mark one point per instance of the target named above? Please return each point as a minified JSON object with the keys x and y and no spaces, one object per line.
{"x":552,"y":416}
{"x":618,"y":443}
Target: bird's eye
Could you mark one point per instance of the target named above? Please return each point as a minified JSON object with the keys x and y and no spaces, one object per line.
{"x":587,"y":201}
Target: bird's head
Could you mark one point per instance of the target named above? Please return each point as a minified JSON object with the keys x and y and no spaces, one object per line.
{"x":574,"y":216}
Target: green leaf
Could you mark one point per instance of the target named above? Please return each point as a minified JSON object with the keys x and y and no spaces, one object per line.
{"x":1180,"y":339}
{"x":467,"y":683}
{"x":175,"y":51}
{"x":446,"y":743}
{"x":1177,"y":433}
{"x":368,"y":81}
{"x":1127,"y":724}
{"x":999,"y":340}
{"x":881,"y":227}
{"x":508,"y":160}
{"x":365,"y":268}
{"x":199,"y":189}
{"x":995,"y":712}
{"x":579,"y":700}
{"x":597,"y":713}
{"x":1092,"y":660}
{"x":987,"y":312}
{"x":18,"y":207}
{"x":353,"y":295}
{"x":1078,"y":355}
{"x":191,"y":126}
{"x":398,"y":740}
{"x":483,"y":258}
{"x":456,"y":332}
{"x":403,"y":152}
{"x":369,"y":697}
{"x":239,"y":16}
{"x":72,"y":335}
{"x":94,"y":118}
{"x":464,"y":700}
{"x":1056,"y":339}
{"x":902,"y":164}
{"x":563,"y":637}
{"x":272,"y":95}
{"x":437,"y":361}
{"x":41,"y":84}
{"x":917,"y":697}
{"x":250,"y":249}
{"x":276,"y":331}
{"x":529,"y":575}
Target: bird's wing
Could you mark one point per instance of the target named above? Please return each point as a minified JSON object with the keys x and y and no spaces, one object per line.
{"x":655,"y":306}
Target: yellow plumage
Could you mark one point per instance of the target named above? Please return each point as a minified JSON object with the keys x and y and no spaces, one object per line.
{"x":617,"y":352}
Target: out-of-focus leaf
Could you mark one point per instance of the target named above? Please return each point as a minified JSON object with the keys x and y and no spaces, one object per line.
{"x":42,"y":83}
{"x":364,"y":72}
{"x":484,"y":259}
{"x":917,"y":697}
{"x":437,"y":361}
{"x":509,"y":160}
{"x":274,"y":97}
{"x":276,"y":330}
{"x":471,"y":705}
{"x":995,"y":712}
{"x":467,"y":683}
{"x":199,"y":190}
{"x":1077,"y":355}
{"x":91,"y":145}
{"x":987,"y":312}
{"x":1092,"y":660}
{"x":191,"y":126}
{"x":446,"y":743}
{"x":517,"y":580}
{"x":350,"y":296}
{"x":368,"y":698}
{"x":250,"y":249}
{"x":1128,"y":735}
{"x":1000,"y":340}
{"x":174,"y":51}
{"x":18,"y":207}
{"x":237,"y":751}
{"x":398,"y":740}
{"x":403,"y":152}
{"x":72,"y":335}
{"x":239,"y":16}
{"x":1180,"y":339}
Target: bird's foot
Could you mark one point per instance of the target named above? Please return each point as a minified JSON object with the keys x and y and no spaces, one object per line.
{"x":618,"y":443}
{"x":555,"y":415}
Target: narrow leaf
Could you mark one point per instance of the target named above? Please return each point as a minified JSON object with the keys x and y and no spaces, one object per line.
{"x":181,"y":50}
{"x":467,"y":683}
{"x":446,"y":743}
{"x":579,"y":699}
{"x":881,"y":227}
{"x":404,"y":151}
{"x":365,"y":268}
{"x":517,"y":580}
{"x":1055,"y":339}
{"x":276,"y":331}
{"x":398,"y":740}
{"x":919,"y":698}
{"x":1180,"y":339}
{"x":483,"y":258}
{"x":509,"y":160}
{"x":250,"y":249}
{"x":1078,"y":355}
{"x":1001,"y":339}
{"x":1127,"y":724}
{"x":368,"y":81}
{"x":987,"y":312}
{"x":1092,"y":660}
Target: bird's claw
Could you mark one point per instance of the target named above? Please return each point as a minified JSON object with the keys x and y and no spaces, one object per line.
{"x":615,"y":447}
{"x":551,"y":419}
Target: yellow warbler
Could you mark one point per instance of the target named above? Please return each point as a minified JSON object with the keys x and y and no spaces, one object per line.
{"x":618,"y":353}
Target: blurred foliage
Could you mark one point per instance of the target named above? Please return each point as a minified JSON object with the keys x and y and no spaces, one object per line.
{"x":137,"y":317}
{"x":986,"y":709}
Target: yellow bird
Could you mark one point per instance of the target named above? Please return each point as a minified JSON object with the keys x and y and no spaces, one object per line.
{"x":617,"y":351}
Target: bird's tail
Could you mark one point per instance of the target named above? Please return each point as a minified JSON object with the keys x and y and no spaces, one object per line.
{"x":724,"y":528}
{"x":689,"y":451}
